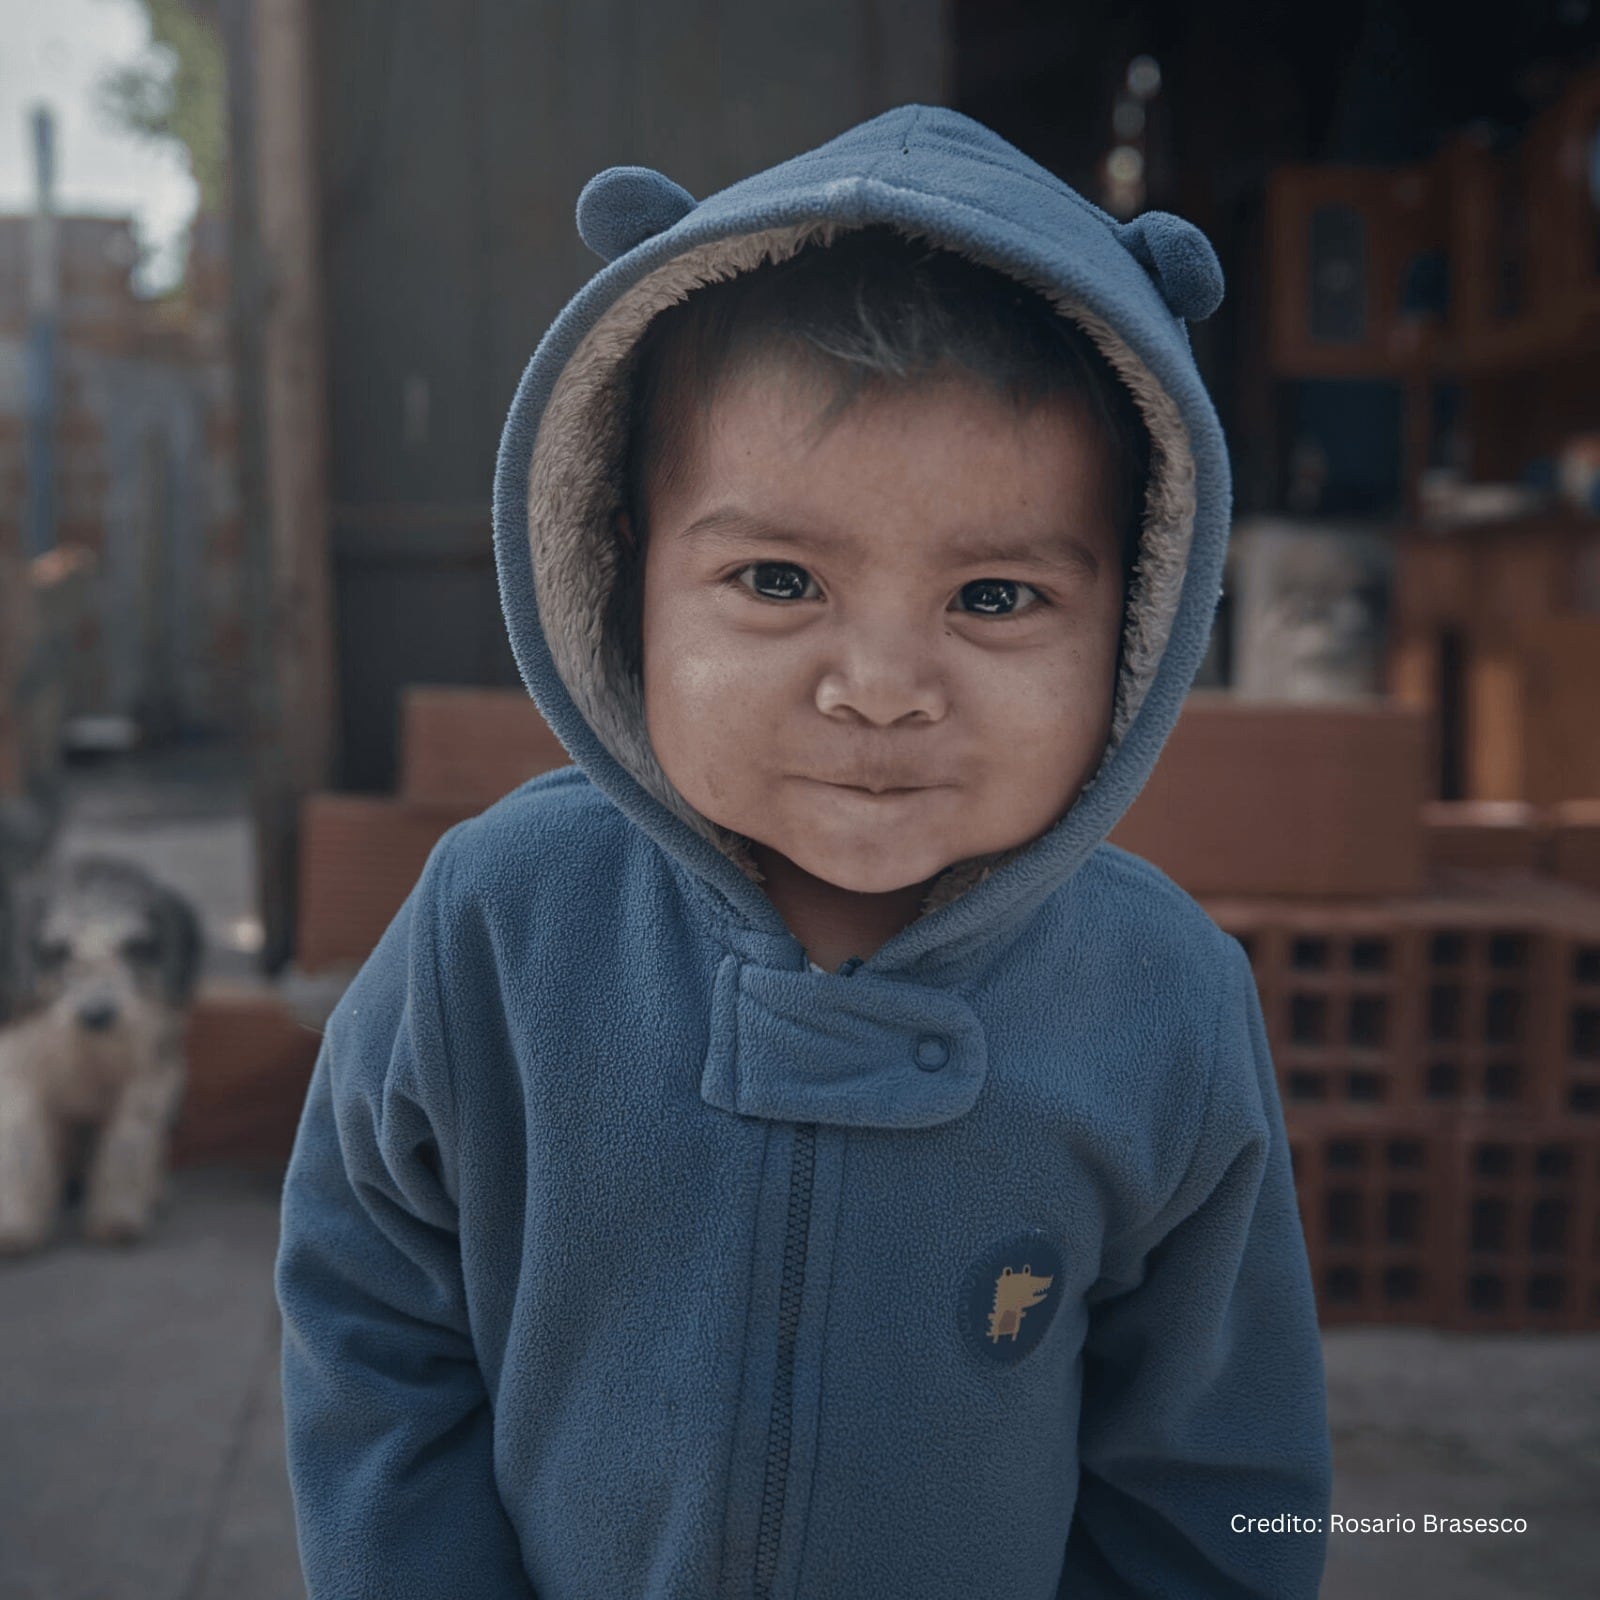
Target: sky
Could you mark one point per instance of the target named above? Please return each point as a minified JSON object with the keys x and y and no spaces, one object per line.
{"x":54,"y":51}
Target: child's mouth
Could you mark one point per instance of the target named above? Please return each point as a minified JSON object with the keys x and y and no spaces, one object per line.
{"x":876,"y":794}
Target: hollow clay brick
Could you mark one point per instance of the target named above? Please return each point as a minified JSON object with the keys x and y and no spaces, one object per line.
{"x":1372,"y":1195}
{"x":1478,"y":997}
{"x":1340,"y":987}
{"x":1523,"y":1209}
{"x":1576,"y":980}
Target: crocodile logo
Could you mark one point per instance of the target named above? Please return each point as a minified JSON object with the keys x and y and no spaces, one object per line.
{"x":1009,"y":1297}
{"x":1015,"y":1294}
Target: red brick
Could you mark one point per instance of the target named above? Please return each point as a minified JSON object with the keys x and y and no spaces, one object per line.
{"x":1524,"y":1204}
{"x":250,"y":1062}
{"x":1256,"y":798}
{"x":470,"y":746}
{"x":1340,"y":988}
{"x":360,"y":855}
{"x":1575,"y":842}
{"x":1577,"y":1027}
{"x":1479,"y":997}
{"x":1487,"y":834}
{"x":1373,"y":1192}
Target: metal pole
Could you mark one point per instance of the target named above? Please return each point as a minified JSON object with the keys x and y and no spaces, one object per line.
{"x":277,"y":341}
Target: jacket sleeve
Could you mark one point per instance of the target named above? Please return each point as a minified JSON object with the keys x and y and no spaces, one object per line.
{"x":388,"y":1426}
{"x":1204,"y":1401}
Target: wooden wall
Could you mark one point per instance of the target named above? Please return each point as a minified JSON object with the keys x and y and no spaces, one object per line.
{"x":454,"y":137}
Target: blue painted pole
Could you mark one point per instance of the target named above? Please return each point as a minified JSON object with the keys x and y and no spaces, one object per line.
{"x":44,"y":303}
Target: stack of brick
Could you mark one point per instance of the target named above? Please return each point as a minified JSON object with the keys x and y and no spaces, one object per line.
{"x":1439,"y":1062}
{"x":461,"y":749}
{"x":1431,"y":990}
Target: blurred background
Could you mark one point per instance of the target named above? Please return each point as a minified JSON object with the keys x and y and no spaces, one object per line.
{"x":269,"y":274}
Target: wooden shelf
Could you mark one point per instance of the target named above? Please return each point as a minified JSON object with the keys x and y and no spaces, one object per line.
{"x":1431,"y":352}
{"x":1569,"y":337}
{"x":1556,"y":522}
{"x":1516,"y":228}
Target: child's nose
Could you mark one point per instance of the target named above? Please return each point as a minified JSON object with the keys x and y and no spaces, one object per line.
{"x":884,"y":674}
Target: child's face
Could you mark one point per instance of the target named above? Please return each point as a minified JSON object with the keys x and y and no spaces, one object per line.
{"x":817,"y":625}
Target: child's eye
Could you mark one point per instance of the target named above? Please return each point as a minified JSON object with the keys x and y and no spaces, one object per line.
{"x":776,"y":580}
{"x":992,"y":597}
{"x":997,"y":597}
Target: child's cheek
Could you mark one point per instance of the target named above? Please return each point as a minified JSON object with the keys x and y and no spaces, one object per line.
{"x":699,"y":681}
{"x":702,"y":662}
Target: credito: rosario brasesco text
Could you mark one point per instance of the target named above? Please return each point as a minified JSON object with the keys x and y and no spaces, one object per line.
{"x":1428,"y":1522}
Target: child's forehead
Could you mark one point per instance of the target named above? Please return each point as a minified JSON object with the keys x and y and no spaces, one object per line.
{"x":794,"y":431}
{"x":951,"y":453}
{"x":762,"y":357}
{"x":793,"y":371}
{"x":810,"y":398}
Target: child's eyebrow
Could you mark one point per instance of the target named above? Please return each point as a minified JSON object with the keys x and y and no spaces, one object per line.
{"x":1065,"y":553}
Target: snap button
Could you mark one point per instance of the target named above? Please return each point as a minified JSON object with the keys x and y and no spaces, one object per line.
{"x":932,"y":1054}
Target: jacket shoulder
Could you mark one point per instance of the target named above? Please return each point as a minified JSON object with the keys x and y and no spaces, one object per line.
{"x":1138,"y":904}
{"x":1191,"y":949}
{"x":554,"y":826}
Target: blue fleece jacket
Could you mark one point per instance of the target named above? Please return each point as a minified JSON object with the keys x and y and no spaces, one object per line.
{"x":626,"y":1253}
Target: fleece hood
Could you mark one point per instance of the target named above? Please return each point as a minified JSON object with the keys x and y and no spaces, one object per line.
{"x":941,"y":177}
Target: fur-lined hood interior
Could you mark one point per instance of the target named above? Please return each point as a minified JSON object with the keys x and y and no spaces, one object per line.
{"x":943,"y":178}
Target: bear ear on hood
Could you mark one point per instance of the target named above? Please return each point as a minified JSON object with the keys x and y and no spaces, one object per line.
{"x":1180,"y":259}
{"x":623,"y":206}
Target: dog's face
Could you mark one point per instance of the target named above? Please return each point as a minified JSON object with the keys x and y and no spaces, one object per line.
{"x":104,"y":940}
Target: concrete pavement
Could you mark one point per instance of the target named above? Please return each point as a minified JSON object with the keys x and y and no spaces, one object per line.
{"x":141,"y":1439}
{"x":142,"y":1454}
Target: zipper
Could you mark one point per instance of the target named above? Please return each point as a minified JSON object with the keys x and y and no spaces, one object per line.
{"x":775,"y":1479}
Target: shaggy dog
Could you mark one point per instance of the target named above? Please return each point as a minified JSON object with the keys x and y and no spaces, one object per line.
{"x":92,"y":1071}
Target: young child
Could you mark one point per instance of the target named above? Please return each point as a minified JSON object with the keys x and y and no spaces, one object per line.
{"x":788,"y":1153}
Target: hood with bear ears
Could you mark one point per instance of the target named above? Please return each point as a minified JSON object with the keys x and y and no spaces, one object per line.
{"x":941,"y":177}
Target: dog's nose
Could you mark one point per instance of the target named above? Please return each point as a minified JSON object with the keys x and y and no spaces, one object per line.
{"x":100,"y":1014}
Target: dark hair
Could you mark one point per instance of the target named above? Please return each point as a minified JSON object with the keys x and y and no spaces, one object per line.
{"x":876,"y":307}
